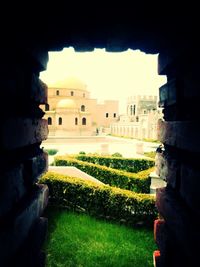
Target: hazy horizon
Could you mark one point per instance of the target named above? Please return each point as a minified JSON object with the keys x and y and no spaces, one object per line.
{"x":108,"y":76}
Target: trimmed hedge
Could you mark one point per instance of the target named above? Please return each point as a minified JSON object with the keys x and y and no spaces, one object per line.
{"x":125,"y":164}
{"x":100,"y":200}
{"x":137,"y":182}
{"x":51,"y":151}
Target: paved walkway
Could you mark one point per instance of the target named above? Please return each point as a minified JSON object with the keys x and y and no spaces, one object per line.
{"x":73,"y":172}
{"x":98,"y":144}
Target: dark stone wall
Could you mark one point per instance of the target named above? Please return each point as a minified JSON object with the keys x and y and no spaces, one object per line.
{"x":22,"y":161}
{"x":27,"y":34}
{"x":177,"y":233}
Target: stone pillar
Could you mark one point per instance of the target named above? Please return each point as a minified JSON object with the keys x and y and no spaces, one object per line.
{"x":139,"y":148}
{"x":105,"y":149}
{"x":177,"y":231}
{"x":22,"y":129}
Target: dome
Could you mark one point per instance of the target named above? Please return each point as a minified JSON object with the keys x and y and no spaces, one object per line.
{"x":71,"y":83}
{"x":66,"y":103}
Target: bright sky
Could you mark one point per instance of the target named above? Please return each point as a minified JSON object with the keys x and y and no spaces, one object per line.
{"x":108,"y":75}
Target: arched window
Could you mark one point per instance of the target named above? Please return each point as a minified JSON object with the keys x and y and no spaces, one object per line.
{"x":60,"y":121}
{"x":83,"y":121}
{"x":76,"y":121}
{"x":106,"y":115}
{"x":82,"y":108}
{"x":114,"y":115}
{"x":131,"y":110}
{"x":72,"y":93}
{"x":46,"y":107}
{"x":134,"y":110}
{"x":49,"y":120}
{"x":57,"y":92}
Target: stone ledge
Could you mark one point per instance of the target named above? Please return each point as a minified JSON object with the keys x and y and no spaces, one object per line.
{"x":180,"y":134}
{"x":20,"y":132}
{"x":34,"y":167}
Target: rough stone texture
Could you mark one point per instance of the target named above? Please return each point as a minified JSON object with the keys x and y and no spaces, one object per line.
{"x":15,"y":230}
{"x":40,"y":59}
{"x":34,"y":167}
{"x":19,"y":132}
{"x":164,"y":63}
{"x":168,"y":169}
{"x":12,"y":189}
{"x":39,"y":90}
{"x":25,"y":86}
{"x":180,"y":134}
{"x":156,"y":182}
{"x":31,"y":253}
{"x":190,"y":184}
{"x":168,"y":94}
{"x":184,"y":229}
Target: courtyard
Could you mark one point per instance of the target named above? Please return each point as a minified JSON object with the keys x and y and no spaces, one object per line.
{"x":101,"y":145}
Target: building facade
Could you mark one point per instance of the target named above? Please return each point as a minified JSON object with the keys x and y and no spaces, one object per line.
{"x":71,"y":112}
{"x":140,"y":120}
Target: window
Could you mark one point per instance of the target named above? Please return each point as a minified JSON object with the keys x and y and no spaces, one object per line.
{"x":83,"y":121}
{"x":72,"y":93}
{"x":60,"y":121}
{"x":49,"y":120}
{"x":83,"y":94}
{"x":134,"y":110}
{"x":114,"y":115}
{"x":131,"y":110}
{"x":137,"y":119}
{"x":106,"y":115}
{"x":57,"y":92}
{"x":46,"y":107}
{"x":76,"y":121}
{"x":82,"y":108}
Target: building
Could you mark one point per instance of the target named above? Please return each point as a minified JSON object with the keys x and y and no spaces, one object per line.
{"x":140,"y":120}
{"x":71,"y":112}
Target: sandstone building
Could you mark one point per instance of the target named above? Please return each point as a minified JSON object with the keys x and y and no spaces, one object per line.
{"x":71,"y":112}
{"x":140,"y":120}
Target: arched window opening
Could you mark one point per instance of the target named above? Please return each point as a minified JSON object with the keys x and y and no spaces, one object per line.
{"x":131,"y":109}
{"x":106,"y":115}
{"x":134,"y":110}
{"x":83,"y":121}
{"x":76,"y":121}
{"x":82,"y":108}
{"x":57,"y":92}
{"x":60,"y":121}
{"x":49,"y":120}
{"x":46,"y":107}
{"x":114,"y":115}
{"x":72,"y":93}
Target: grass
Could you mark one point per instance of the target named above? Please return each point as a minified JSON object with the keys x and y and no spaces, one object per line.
{"x":78,"y":240}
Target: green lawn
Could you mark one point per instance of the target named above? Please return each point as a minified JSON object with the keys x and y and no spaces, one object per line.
{"x":78,"y":240}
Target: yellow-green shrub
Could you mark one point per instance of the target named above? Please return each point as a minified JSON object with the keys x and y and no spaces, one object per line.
{"x":125,"y":164}
{"x":100,"y":200}
{"x":137,"y":182}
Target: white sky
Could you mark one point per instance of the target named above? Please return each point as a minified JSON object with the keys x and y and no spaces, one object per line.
{"x":107,"y":75}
